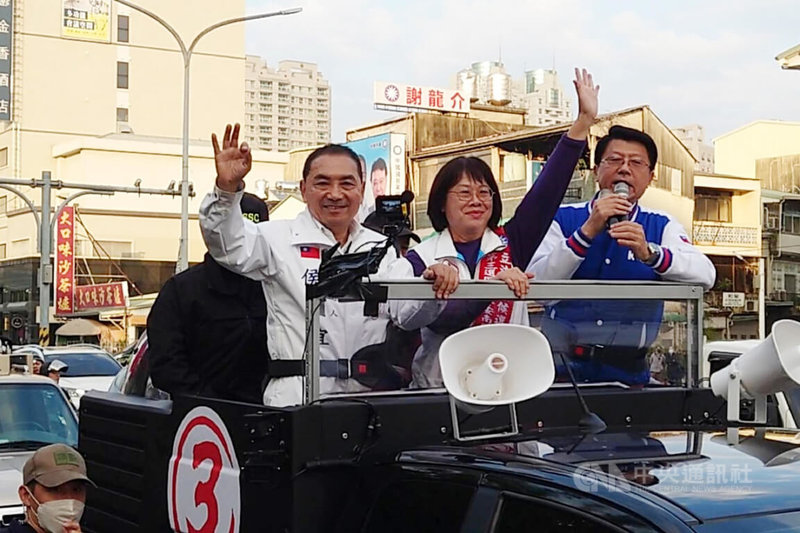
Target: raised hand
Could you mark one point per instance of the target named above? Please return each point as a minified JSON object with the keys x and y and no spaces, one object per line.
{"x":587,"y":104}
{"x":233,"y":162}
{"x":587,"y":93}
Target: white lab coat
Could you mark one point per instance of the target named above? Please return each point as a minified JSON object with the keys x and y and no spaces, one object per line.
{"x":282,"y":254}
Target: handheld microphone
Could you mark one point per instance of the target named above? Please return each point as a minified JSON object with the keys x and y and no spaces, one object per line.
{"x":620,"y":189}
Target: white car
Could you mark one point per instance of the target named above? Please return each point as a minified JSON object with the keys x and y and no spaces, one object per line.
{"x":88,"y":367}
{"x":34,"y":412}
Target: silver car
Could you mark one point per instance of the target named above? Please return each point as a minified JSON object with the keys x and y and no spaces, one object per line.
{"x":34,"y":412}
{"x":88,"y":367}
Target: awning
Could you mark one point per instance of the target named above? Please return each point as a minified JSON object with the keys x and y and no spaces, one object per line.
{"x":79,"y":327}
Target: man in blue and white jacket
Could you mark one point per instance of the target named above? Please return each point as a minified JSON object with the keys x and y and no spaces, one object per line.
{"x":614,"y":238}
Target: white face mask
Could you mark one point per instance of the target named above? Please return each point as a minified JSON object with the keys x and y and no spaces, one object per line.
{"x":54,"y":514}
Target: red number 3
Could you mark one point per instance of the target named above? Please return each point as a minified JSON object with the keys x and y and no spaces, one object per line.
{"x":204,"y":492}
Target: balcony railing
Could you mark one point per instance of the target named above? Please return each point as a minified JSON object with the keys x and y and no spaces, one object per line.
{"x":710,"y":233}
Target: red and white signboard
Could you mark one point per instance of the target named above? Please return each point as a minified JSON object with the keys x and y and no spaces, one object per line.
{"x":65,"y":262}
{"x":203,"y":483}
{"x":401,"y":96}
{"x":101,"y":297}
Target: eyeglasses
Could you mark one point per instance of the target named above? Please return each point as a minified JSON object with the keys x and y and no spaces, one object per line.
{"x":485,"y":194}
{"x":616,"y":161}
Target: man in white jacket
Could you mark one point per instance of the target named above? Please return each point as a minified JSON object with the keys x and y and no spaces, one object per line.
{"x":285,"y":255}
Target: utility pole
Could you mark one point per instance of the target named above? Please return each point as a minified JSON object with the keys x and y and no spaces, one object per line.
{"x":44,"y":224}
{"x":45,"y":268}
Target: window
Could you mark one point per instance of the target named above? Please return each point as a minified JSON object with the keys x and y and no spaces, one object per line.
{"x":2,"y":251}
{"x":791,"y":223}
{"x":38,"y":412}
{"x":122,"y":75}
{"x":712,"y":206}
{"x":115,"y":249}
{"x":122,"y":28}
{"x":122,"y":114}
{"x":3,"y":157}
{"x":420,"y":506}
{"x":553,"y":97}
{"x":3,"y":205}
{"x":522,"y":514}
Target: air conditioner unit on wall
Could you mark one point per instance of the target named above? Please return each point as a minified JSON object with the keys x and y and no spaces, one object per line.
{"x":751,"y":306}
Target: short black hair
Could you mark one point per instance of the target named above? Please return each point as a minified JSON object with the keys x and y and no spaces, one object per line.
{"x":331,"y":149}
{"x":378,"y":164}
{"x":448,"y":176}
{"x":627,"y":134}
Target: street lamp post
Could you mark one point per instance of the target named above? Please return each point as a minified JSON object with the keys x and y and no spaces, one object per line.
{"x":183,"y":249}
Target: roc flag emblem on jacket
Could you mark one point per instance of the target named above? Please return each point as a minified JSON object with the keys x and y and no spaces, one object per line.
{"x":309,"y":252}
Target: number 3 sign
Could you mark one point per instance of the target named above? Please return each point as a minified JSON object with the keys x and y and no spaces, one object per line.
{"x":203,"y":482}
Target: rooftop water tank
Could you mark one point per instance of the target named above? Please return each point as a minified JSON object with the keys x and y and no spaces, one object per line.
{"x":499,"y":88}
{"x":467,"y":85}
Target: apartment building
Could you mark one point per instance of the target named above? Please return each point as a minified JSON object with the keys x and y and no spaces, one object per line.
{"x":287,"y":107}
{"x":95,"y":96}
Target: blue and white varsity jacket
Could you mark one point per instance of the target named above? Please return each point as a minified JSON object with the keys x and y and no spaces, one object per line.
{"x":565,"y":253}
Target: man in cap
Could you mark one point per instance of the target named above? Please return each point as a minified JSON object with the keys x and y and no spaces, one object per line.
{"x":55,"y":368}
{"x":38,"y":362}
{"x":207,"y":329}
{"x":53,"y":491}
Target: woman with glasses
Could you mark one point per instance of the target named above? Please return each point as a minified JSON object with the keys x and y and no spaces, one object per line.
{"x":465,"y":208}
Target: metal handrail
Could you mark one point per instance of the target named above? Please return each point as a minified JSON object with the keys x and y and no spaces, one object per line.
{"x":539,"y":291}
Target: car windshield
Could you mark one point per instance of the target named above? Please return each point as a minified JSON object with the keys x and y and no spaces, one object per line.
{"x":86,"y":364}
{"x":32,"y":414}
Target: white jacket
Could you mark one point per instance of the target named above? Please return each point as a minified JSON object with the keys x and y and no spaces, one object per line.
{"x":283,"y":254}
{"x":419,"y":314}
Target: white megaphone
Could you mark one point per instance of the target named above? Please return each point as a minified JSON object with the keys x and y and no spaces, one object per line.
{"x":773,"y":365}
{"x":497,"y":364}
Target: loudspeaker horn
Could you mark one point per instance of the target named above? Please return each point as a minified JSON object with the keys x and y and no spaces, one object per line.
{"x":773,"y":365}
{"x":492,"y":365}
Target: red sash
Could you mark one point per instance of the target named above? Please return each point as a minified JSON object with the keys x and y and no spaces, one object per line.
{"x":490,"y":265}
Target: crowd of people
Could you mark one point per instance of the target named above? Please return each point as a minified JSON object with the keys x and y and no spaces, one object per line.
{"x":234,"y":326}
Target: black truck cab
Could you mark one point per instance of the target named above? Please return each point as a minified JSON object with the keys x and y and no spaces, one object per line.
{"x":667,"y":460}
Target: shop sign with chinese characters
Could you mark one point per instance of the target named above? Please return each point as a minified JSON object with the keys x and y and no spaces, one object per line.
{"x":65,"y":262}
{"x":101,"y":297}
{"x":401,"y":96}
{"x":6,"y":32}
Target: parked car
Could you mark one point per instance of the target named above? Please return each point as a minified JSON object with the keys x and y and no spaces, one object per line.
{"x":89,"y":367}
{"x":34,"y":412}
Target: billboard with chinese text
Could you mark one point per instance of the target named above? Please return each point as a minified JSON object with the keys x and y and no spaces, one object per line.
{"x":383,"y":163}
{"x":400,"y":96}
{"x":65,"y":262}
{"x":86,"y":19}
{"x":6,"y":33}
{"x":101,"y":297}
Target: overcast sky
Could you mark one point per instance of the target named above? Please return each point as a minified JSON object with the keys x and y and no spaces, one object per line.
{"x":710,"y":62}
